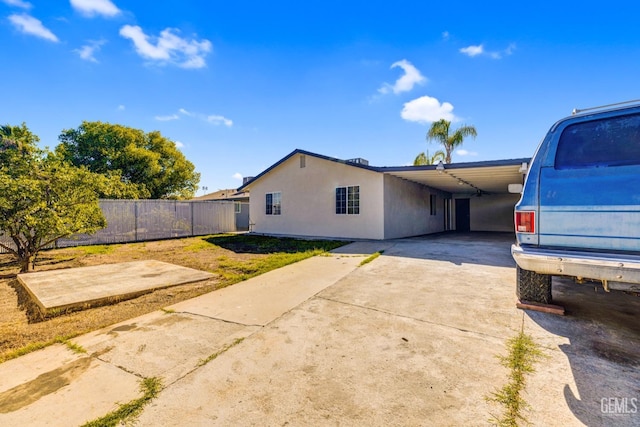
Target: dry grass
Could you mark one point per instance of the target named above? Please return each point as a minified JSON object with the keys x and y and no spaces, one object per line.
{"x":230,"y":258}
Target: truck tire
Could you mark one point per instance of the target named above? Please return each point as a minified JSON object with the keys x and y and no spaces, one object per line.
{"x":533,"y":287}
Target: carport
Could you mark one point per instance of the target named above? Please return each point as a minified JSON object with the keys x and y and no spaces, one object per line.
{"x":480,"y":198}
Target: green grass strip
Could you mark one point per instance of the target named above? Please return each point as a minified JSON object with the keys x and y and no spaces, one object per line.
{"x":370,"y":258}
{"x":31,"y":347}
{"x":150,"y":387}
{"x":522,"y":354}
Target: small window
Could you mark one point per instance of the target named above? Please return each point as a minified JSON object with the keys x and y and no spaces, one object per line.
{"x":433,"y":199}
{"x":348,"y":200}
{"x":303,"y":161}
{"x":273,"y":203}
{"x":238,"y":207}
{"x":614,"y":141}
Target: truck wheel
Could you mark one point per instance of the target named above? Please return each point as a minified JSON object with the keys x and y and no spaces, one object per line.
{"x":533,"y":287}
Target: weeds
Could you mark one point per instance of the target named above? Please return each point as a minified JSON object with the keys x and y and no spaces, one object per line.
{"x":97,"y":249}
{"x":215,"y":355}
{"x":523,"y":353}
{"x":370,"y":258}
{"x":34,"y":346}
{"x":150,"y":387}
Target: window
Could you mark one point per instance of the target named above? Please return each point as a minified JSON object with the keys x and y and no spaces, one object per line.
{"x":238,"y":207}
{"x":348,"y":200}
{"x":273,"y":203}
{"x":432,"y":203}
{"x":614,"y":141}
{"x":303,"y":161}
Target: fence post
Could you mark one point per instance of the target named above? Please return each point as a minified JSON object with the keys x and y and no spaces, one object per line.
{"x":135,"y":216}
{"x":191,"y":206}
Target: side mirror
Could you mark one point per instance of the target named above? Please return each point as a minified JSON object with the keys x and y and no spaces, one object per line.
{"x":515,"y":188}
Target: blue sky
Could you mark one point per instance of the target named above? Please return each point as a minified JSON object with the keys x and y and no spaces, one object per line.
{"x":238,"y":85}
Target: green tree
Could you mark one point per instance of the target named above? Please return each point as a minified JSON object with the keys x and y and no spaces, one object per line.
{"x":440,"y":131}
{"x":42,"y":198}
{"x":424,"y":159}
{"x":148,"y":160}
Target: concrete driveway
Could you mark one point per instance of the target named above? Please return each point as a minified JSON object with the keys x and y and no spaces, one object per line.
{"x":408,"y":339}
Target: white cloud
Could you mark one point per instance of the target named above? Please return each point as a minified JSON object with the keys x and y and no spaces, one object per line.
{"x":30,"y":25}
{"x":95,"y":7}
{"x":479,"y":50}
{"x":87,"y":51}
{"x":237,"y":176}
{"x":167,"y":118}
{"x":179,"y":144}
{"x":473,"y":50}
{"x":168,"y":48}
{"x":18,"y":3}
{"x":217,"y":120}
{"x":427,"y":110}
{"x":510,"y":49}
{"x":463,"y":152}
{"x":185,"y":112}
{"x":121,"y":107}
{"x":407,"y":81}
{"x":445,"y":35}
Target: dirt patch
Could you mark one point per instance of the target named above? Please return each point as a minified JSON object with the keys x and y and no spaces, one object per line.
{"x":20,"y":326}
{"x":47,"y":383}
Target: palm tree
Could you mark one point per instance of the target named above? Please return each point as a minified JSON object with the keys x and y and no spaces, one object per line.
{"x":425,"y":159}
{"x":440,"y":132}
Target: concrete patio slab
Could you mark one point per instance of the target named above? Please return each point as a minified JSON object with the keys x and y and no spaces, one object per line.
{"x":82,"y":287}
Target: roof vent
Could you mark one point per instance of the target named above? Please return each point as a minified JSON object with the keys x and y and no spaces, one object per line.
{"x":359,"y":161}
{"x":246,"y":179}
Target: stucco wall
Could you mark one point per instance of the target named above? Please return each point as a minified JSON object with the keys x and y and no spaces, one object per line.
{"x":308,"y":200}
{"x":493,"y":212}
{"x":407,"y":209}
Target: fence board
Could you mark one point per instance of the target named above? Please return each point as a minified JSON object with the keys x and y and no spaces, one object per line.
{"x":140,"y":220}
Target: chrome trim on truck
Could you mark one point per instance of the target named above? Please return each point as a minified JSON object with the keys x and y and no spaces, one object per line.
{"x":583,"y":265}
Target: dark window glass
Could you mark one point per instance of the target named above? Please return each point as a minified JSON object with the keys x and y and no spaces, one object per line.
{"x":269,"y":206}
{"x":608,"y":142}
{"x":432,"y":203}
{"x":348,"y":200}
{"x":277,"y":203}
{"x":353,"y":200}
{"x":341,"y":200}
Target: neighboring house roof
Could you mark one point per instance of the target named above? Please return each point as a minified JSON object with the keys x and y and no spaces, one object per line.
{"x":469,"y":177}
{"x":229,"y":194}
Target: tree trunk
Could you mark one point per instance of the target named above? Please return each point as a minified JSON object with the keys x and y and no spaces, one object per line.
{"x":26,"y":263}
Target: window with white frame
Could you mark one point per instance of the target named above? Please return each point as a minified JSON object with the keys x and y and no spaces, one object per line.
{"x":348,"y":200}
{"x":273,"y":203}
{"x":238,"y":207}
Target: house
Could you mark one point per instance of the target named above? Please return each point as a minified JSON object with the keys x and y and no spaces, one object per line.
{"x":308,"y":194}
{"x":241,"y":201}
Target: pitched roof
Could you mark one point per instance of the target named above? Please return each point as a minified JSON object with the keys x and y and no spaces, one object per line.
{"x":490,"y":176}
{"x":306,"y":153}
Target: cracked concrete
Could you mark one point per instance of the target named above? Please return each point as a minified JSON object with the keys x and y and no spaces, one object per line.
{"x":408,"y":339}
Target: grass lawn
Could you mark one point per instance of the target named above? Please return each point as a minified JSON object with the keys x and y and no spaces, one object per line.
{"x":232,"y":258}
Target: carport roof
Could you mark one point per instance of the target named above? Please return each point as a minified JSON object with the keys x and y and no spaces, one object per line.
{"x":490,"y":177}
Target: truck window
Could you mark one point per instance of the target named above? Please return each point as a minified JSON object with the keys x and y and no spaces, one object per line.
{"x":614,"y":141}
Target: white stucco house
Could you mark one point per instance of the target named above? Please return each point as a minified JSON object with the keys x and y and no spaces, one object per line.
{"x":308,"y":194}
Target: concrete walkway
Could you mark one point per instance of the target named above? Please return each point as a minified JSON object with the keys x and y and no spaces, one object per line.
{"x":408,"y":339}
